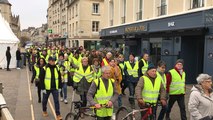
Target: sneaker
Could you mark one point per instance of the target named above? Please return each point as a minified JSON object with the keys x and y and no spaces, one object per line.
{"x":62,"y":99}
{"x":59,"y":117}
{"x":45,"y":114}
{"x":65,"y":101}
{"x":18,"y":68}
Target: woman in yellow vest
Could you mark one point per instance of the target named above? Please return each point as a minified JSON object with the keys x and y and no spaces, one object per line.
{"x":82,"y":78}
{"x":96,"y":68}
{"x":161,"y":73}
{"x":36,"y":73}
{"x":103,"y":91}
{"x":148,"y":89}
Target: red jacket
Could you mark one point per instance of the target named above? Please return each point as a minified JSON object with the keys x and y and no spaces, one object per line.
{"x":169,"y":79}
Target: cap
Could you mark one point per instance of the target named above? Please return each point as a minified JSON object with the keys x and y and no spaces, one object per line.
{"x":179,"y":61}
{"x":151,"y":66}
{"x":51,"y":59}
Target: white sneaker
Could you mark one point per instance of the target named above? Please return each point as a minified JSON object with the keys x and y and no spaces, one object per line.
{"x":62,"y":99}
{"x":18,"y":68}
{"x":65,"y":101}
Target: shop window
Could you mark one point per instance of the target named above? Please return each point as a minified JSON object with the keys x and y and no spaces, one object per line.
{"x":197,"y":3}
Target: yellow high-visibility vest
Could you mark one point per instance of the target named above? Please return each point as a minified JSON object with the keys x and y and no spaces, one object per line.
{"x":132,"y":71}
{"x":105,"y":62}
{"x":177,"y":85}
{"x":79,"y":74}
{"x":48,"y":76}
{"x":145,"y":66}
{"x":150,"y":93}
{"x":163,"y":79}
{"x":102,"y":96}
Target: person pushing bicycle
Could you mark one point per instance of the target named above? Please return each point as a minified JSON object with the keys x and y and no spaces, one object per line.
{"x":148,"y":89}
{"x":103,"y":91}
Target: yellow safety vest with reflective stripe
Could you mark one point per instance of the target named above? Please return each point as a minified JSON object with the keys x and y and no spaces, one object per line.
{"x":150,"y":93}
{"x":79,"y":74}
{"x":36,"y":68}
{"x":122,"y":67}
{"x":177,"y":85}
{"x":46,"y":58}
{"x":48,"y":76}
{"x":97,"y":74}
{"x":105,"y":62}
{"x":132,"y":71}
{"x":145,"y":66}
{"x":102,"y":96}
{"x":163,"y":79}
{"x":77,"y":62}
{"x":67,"y":68}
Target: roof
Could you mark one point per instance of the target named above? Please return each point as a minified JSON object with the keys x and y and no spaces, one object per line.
{"x":4,"y":2}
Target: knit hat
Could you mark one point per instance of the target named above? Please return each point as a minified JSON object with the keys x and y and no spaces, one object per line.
{"x":51,"y":59}
{"x":179,"y":61}
{"x":151,"y":66}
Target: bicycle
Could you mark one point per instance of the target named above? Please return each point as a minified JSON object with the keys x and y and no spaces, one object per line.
{"x":131,"y":115}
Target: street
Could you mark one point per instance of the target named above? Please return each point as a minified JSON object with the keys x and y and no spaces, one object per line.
{"x":21,"y":97}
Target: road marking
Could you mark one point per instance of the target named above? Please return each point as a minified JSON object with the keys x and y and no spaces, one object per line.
{"x":30,"y":94}
{"x":52,"y":109}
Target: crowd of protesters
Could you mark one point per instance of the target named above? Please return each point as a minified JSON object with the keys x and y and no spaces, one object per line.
{"x":102,"y":76}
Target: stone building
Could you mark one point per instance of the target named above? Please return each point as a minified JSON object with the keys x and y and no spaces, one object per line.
{"x":13,"y":20}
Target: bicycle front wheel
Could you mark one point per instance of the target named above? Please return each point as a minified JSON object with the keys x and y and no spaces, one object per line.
{"x":71,"y":116}
{"x":121,"y":114}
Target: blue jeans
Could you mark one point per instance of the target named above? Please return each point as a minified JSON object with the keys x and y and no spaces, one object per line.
{"x":18,"y":63}
{"x":132,"y":92}
{"x":64,"y":91}
{"x":119,"y":100}
{"x":55,"y":98}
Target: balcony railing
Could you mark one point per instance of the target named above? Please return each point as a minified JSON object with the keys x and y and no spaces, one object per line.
{"x":162,"y":10}
{"x":111,"y":22}
{"x":139,"y":15}
{"x":123,"y":19}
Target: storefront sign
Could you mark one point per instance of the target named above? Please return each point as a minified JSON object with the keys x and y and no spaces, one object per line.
{"x":113,"y":31}
{"x":134,"y":29}
{"x":171,"y":24}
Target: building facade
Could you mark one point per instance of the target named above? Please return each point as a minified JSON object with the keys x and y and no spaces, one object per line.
{"x":166,"y":29}
{"x":76,"y":21}
{"x":13,"y":20}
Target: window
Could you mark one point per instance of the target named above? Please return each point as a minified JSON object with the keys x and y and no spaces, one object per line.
{"x":162,"y":8}
{"x":197,"y":3}
{"x":95,"y":26}
{"x":95,"y":8}
{"x":111,"y":4}
{"x":139,"y":9}
{"x":72,"y":12}
{"x":76,"y":10}
{"x":76,"y":25}
{"x":123,"y":18}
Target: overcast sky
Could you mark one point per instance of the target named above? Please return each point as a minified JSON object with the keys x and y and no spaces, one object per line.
{"x":32,"y":12}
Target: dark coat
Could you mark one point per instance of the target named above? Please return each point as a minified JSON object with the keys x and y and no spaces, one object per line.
{"x":18,"y":55}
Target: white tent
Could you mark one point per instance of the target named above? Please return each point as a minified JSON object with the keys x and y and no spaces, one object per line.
{"x":7,"y":38}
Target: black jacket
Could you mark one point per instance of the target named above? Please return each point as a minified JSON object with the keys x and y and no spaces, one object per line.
{"x":18,"y":55}
{"x":53,"y":84}
{"x":8,"y":55}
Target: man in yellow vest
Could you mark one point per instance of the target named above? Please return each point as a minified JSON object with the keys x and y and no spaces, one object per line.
{"x":105,"y":60}
{"x":143,"y":64}
{"x":51,"y":83}
{"x":148,"y":89}
{"x":131,"y":72}
{"x":103,"y":91}
{"x":176,"y":88}
{"x":82,"y":78}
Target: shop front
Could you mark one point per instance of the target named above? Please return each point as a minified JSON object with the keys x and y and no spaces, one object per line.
{"x":188,"y":36}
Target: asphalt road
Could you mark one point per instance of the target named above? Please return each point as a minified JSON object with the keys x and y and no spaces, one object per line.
{"x":21,"y":98}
